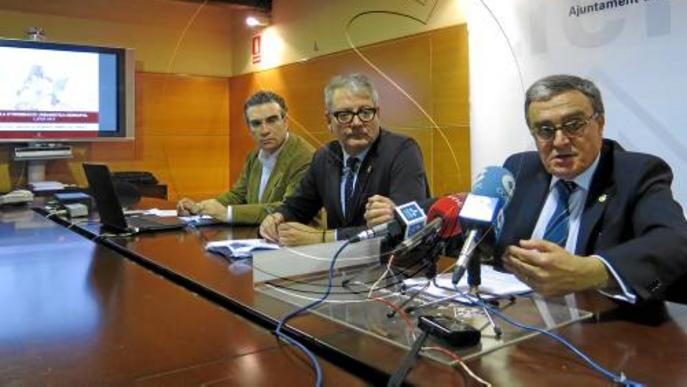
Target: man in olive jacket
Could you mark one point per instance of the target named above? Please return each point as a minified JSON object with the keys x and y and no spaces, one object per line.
{"x":271,"y":172}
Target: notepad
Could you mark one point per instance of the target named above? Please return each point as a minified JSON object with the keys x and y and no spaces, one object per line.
{"x":495,"y":284}
{"x":239,"y":248}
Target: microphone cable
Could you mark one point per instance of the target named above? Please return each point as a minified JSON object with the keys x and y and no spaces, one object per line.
{"x":616,"y":378}
{"x":282,"y":322}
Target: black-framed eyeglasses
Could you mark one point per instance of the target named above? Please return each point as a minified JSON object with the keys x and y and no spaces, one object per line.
{"x":365,"y":114}
{"x":572,"y":127}
{"x":270,"y":121}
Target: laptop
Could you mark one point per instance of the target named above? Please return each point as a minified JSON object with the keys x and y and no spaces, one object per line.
{"x":110,"y":209}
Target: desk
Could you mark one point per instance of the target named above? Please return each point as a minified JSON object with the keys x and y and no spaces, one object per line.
{"x":652,"y":350}
{"x":77,"y":313}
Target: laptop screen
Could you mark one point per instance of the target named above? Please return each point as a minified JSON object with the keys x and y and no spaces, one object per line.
{"x":103,"y":191}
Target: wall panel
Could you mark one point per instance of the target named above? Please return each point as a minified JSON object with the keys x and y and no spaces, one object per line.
{"x":431,"y":68}
{"x":182,"y":137}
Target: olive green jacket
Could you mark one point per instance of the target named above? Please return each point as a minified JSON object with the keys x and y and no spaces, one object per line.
{"x":247,"y":208}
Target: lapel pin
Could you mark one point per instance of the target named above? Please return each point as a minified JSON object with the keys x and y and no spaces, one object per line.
{"x":602,"y":198}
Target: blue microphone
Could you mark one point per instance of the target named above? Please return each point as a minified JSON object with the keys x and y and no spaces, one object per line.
{"x":483,"y":209}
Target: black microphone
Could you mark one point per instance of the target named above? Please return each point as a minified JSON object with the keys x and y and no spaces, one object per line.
{"x":491,"y":192}
{"x":431,"y":228}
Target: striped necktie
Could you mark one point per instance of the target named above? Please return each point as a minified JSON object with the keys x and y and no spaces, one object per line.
{"x":352,"y":169}
{"x":558,"y":226}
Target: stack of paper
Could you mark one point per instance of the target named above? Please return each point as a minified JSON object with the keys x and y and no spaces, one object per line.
{"x":239,"y":248}
{"x":46,"y":186}
{"x":494,"y":284}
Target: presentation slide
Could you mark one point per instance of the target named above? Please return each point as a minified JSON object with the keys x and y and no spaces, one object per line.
{"x":48,"y":90}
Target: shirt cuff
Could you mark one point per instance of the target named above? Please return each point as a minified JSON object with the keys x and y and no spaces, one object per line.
{"x":336,"y":234}
{"x":624,"y":293}
{"x":229,"y":219}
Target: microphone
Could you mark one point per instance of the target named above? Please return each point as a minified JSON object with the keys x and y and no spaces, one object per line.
{"x":483,"y":209}
{"x":443,"y":222}
{"x":409,"y":218}
{"x":447,"y":208}
{"x":431,"y":228}
{"x":427,"y":243}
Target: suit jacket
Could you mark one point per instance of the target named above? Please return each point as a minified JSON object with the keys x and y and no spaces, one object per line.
{"x":630,"y":217}
{"x":247,"y":207}
{"x":392,"y":167}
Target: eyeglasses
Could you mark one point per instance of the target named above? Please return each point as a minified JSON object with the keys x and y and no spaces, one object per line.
{"x":573,"y":127}
{"x":365,"y":114}
{"x":269,"y":121}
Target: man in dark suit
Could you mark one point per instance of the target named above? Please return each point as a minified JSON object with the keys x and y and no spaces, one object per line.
{"x":365,"y":160}
{"x":587,"y":214}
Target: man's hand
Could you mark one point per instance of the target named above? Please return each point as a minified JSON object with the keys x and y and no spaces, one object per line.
{"x":296,"y":234}
{"x":379,"y":209}
{"x":186,"y":207}
{"x":213,"y":208}
{"x":551,"y":270}
{"x":269,"y":227}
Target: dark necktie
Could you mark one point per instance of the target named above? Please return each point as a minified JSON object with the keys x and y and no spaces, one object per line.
{"x":558,"y":226}
{"x":352,"y":168}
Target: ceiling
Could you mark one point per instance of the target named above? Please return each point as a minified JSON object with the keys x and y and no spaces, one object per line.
{"x":165,"y":13}
{"x":263,"y":5}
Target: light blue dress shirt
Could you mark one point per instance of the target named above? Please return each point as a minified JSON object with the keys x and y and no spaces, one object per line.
{"x":268,"y":162}
{"x":344,"y":173}
{"x":576,"y":203}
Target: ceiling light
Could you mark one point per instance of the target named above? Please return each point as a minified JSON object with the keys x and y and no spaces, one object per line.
{"x":257,"y":21}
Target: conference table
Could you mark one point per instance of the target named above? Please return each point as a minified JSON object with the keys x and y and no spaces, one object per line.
{"x":76,"y":312}
{"x":158,"y":308}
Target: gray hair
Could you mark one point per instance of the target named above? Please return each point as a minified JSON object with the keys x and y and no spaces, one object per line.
{"x":548,"y":87}
{"x":263,"y":97}
{"x":355,"y":82}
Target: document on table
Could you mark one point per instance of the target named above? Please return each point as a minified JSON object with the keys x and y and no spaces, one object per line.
{"x":239,"y":248}
{"x":196,"y":220}
{"x":495,"y":284}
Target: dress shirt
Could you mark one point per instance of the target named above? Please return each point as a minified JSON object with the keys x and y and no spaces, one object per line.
{"x":344,"y":172}
{"x":268,"y":161}
{"x":576,"y":206}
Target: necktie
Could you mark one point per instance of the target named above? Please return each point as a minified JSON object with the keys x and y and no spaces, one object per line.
{"x":352,"y":168}
{"x":558,"y":226}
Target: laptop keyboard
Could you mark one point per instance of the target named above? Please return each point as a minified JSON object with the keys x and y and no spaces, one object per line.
{"x":147,"y":223}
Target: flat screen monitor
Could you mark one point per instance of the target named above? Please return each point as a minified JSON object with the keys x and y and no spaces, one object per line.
{"x":65,"y":92}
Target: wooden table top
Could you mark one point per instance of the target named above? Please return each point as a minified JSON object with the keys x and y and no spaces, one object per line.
{"x":647,"y":344}
{"x":78,"y":313}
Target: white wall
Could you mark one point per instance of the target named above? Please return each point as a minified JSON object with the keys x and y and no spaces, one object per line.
{"x":635,"y":53}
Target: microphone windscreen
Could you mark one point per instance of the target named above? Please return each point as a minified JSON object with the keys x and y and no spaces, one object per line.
{"x":495,"y":182}
{"x":447,"y":208}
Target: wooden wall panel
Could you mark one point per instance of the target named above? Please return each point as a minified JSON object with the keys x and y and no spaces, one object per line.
{"x":182,"y":137}
{"x":451,"y":110}
{"x":191,"y":132}
{"x":431,"y":68}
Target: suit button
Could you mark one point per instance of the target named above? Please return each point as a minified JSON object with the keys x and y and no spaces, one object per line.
{"x":654,"y":286}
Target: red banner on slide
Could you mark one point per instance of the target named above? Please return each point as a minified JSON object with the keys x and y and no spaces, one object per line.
{"x":48,"y":117}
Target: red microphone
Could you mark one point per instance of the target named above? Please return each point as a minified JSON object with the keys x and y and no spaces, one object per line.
{"x":447,"y":208}
{"x":442,"y":221}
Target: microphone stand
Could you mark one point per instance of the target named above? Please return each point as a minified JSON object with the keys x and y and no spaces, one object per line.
{"x":474,"y":274}
{"x":401,"y":372}
{"x":430,"y":271}
{"x":474,"y":280}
